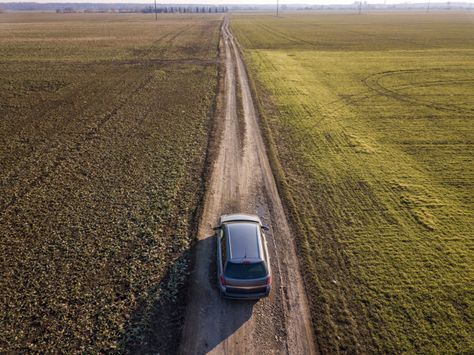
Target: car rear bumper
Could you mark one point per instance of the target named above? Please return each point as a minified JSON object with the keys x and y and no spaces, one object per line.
{"x":247,"y":294}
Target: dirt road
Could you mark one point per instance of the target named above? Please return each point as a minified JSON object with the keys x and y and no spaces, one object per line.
{"x":242,"y":181}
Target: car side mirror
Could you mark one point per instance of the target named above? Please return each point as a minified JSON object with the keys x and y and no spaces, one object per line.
{"x":265,"y":228}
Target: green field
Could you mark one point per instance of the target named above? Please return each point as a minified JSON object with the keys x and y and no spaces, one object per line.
{"x":104,"y":125}
{"x":370,"y":120}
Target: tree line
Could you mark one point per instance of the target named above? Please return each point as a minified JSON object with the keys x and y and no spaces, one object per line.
{"x":185,"y":9}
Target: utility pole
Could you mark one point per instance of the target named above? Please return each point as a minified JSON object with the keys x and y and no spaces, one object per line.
{"x":156,"y":14}
{"x":277,"y":7}
{"x":428,"y":8}
{"x":360,"y":7}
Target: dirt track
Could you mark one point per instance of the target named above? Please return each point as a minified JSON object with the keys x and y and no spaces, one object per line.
{"x":242,"y":181}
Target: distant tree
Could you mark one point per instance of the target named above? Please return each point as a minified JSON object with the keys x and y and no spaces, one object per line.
{"x":183,"y":9}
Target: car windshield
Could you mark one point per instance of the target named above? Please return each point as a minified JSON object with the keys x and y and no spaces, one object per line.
{"x":245,"y":271}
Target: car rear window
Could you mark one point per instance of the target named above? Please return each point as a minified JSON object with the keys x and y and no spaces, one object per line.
{"x":245,"y":271}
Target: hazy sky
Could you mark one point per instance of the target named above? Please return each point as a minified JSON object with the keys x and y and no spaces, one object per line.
{"x":232,"y":2}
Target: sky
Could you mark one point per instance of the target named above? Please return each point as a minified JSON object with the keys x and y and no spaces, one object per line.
{"x":236,"y":2}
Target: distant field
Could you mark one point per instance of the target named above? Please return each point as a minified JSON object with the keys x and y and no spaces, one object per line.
{"x":372,"y":120}
{"x":104,"y":123}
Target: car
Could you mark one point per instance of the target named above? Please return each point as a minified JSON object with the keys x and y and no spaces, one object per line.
{"x":243,"y":262}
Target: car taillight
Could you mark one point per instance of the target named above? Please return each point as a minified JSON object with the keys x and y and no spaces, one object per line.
{"x":222,"y":280}
{"x":269,"y":280}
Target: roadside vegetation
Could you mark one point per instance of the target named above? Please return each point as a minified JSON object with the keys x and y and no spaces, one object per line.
{"x":369,"y":121}
{"x":104,"y":124}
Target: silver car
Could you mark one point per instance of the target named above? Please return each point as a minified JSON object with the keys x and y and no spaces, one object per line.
{"x":243,"y":262}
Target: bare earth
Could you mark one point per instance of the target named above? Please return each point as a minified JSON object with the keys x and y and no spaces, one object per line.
{"x":242,"y":181}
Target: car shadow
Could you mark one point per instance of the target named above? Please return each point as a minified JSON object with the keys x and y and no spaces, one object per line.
{"x":156,"y":325}
{"x":222,"y":317}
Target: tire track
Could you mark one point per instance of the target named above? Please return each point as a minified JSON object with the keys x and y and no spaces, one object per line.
{"x":61,"y":151}
{"x":375,"y":83}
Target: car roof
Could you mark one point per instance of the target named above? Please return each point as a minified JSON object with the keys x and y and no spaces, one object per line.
{"x":243,"y":241}
{"x":240,"y":217}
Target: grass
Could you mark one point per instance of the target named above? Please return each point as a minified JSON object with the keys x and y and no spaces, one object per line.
{"x":104,"y":125}
{"x":371,"y":120}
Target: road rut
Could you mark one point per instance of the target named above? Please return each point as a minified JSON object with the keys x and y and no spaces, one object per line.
{"x":242,"y":181}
